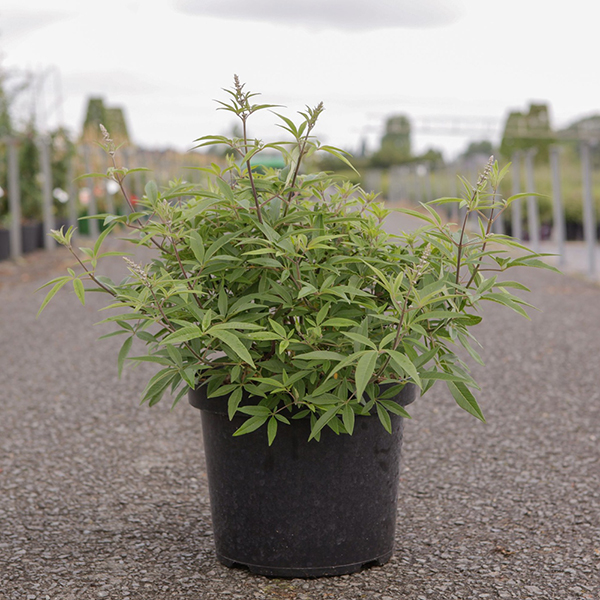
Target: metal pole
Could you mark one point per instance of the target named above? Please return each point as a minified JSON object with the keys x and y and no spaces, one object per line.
{"x":453,"y":192}
{"x":14,"y":200}
{"x":110,"y":205}
{"x":92,"y":210}
{"x":72,"y":189}
{"x":48,"y":218}
{"x":395,"y":184}
{"x":498,"y":226}
{"x":428,"y":183}
{"x":557,"y":206}
{"x":533,"y":218}
{"x":517,"y":230}
{"x":589,"y":218}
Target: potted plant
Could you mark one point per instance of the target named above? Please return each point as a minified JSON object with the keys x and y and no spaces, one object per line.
{"x":277,"y":301}
{"x":31,"y":192}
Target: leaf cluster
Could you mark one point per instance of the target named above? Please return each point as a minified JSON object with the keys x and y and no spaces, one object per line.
{"x":282,"y":293}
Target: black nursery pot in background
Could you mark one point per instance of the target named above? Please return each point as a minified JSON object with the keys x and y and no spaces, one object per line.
{"x":30,"y":237}
{"x":4,"y":243}
{"x":298,"y":508}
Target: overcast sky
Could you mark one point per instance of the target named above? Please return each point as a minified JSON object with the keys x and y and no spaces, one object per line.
{"x":164,"y":61}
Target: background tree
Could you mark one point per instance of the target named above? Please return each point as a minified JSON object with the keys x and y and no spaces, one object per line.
{"x":524,"y":131}
{"x":29,"y":174}
{"x":395,"y":144}
{"x":480,"y":148}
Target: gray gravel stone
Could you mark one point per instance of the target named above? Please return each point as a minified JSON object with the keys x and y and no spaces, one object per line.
{"x":101,"y":498}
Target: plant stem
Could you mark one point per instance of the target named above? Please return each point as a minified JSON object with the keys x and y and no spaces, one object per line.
{"x":91,"y":273}
{"x":478,"y":266}
{"x":460,"y":246}
{"x":250,"y":176}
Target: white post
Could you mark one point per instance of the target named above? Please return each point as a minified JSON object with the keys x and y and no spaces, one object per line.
{"x":48,"y":217}
{"x":557,"y":206}
{"x":517,"y":230}
{"x":589,"y":218}
{"x":533,"y":218}
{"x":14,"y":199}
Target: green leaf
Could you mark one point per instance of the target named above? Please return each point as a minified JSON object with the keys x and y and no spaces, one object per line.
{"x":100,"y":239}
{"x":437,"y":314}
{"x":197,"y":246}
{"x":151,"y":192}
{"x":60,"y":283}
{"x":278,"y":328}
{"x":320,"y":355}
{"x":440,"y":375}
{"x":233,"y":342}
{"x":395,"y":408}
{"x":465,"y":399}
{"x":406,"y":365}
{"x":364,"y":371}
{"x":79,"y":290}
{"x":384,"y":417}
{"x":185,"y":334}
{"x":348,"y":418}
{"x":222,"y":301}
{"x":323,"y":313}
{"x":123,"y":352}
{"x":256,"y":411}
{"x":361,"y":339}
{"x":322,"y":421}
{"x":252,"y":424}
{"x":272,"y":429}
{"x":339,"y":322}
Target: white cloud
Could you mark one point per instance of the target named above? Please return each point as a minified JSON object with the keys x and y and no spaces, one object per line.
{"x":108,"y":82}
{"x":353,"y":15}
{"x":17,"y":23}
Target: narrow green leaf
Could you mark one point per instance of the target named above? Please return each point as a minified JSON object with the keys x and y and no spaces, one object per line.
{"x":255,"y":411}
{"x":234,"y":342}
{"x":322,"y":421}
{"x":406,"y":365}
{"x":252,"y":424}
{"x":465,"y":399}
{"x":151,"y":192}
{"x":197,"y":246}
{"x":123,"y":352}
{"x":361,"y":339}
{"x":52,"y":293}
{"x":384,"y":417}
{"x":348,"y":418}
{"x":272,"y":429}
{"x":339,"y":322}
{"x":185,"y":334}
{"x":100,"y":239}
{"x":222,"y":301}
{"x":320,"y":355}
{"x":364,"y":371}
{"x":79,"y":290}
{"x":395,"y":408}
{"x":278,"y":328}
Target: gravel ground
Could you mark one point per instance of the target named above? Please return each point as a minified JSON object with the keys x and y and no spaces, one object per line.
{"x":101,"y":498}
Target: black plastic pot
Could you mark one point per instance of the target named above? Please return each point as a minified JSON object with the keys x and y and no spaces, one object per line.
{"x":4,"y":243}
{"x":298,"y":508}
{"x":30,"y":237}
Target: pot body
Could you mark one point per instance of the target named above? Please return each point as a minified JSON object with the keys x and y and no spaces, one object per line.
{"x":298,"y":508}
{"x":30,"y":237}
{"x":4,"y":244}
